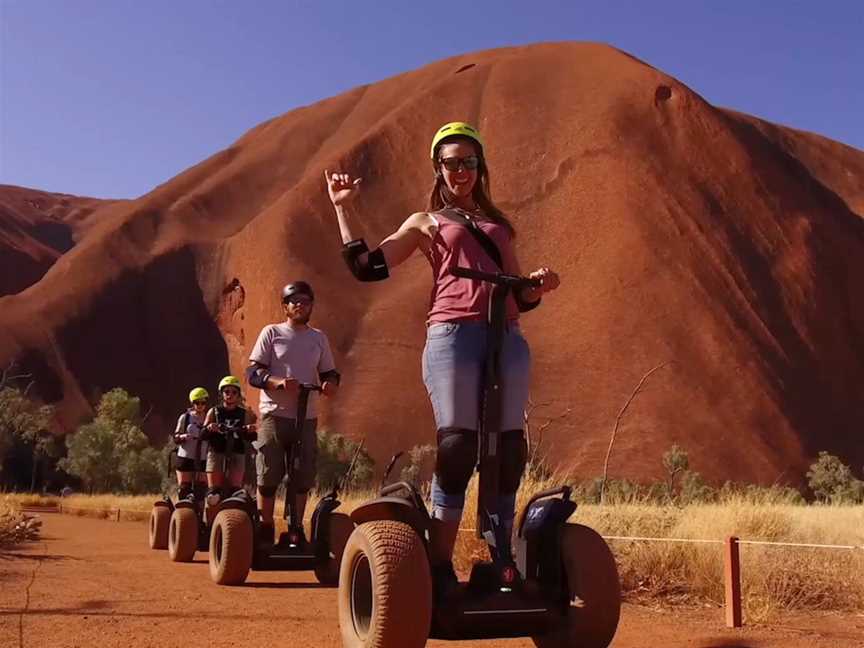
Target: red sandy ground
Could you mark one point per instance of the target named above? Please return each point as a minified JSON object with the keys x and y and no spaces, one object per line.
{"x":684,"y":233}
{"x":95,"y":583}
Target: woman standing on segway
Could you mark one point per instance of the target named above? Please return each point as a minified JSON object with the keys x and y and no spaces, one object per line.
{"x":462,"y":227}
{"x":190,"y":427}
{"x":228,"y":427}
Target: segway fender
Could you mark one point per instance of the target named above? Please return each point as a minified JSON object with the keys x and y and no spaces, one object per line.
{"x":238,"y":503}
{"x":184,"y":504}
{"x":166,"y":503}
{"x":538,"y":544}
{"x":392,"y":508}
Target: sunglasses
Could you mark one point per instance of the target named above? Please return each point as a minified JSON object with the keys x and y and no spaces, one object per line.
{"x":227,"y":391}
{"x":469,"y":163}
{"x":199,"y":402}
{"x":299,"y":299}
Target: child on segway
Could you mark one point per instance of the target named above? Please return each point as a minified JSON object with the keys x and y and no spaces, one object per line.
{"x":286,"y":356}
{"x":228,"y":427}
{"x":187,"y":436}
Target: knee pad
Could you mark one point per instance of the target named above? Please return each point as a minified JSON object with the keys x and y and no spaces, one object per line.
{"x":456,"y":459}
{"x":514,"y":456}
{"x":267,"y":491}
{"x":214,"y":495}
{"x":184,"y":491}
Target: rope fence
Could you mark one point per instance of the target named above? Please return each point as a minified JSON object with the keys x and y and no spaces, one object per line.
{"x":731,"y":562}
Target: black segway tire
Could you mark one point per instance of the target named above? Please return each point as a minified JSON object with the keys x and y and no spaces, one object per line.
{"x":183,"y":535}
{"x":160,"y":517}
{"x":231,"y":547}
{"x":340,"y":530}
{"x":385,"y":588}
{"x":594,"y":591}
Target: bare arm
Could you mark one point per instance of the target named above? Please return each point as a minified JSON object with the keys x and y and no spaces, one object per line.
{"x":397,"y":247}
{"x":210,"y":419}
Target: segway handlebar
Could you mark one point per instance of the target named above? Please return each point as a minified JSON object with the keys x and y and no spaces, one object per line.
{"x":389,"y":468}
{"x":341,"y":483}
{"x":497,"y":278}
{"x":310,"y":387}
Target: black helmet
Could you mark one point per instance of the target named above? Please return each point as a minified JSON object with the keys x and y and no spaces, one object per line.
{"x":297,"y":287}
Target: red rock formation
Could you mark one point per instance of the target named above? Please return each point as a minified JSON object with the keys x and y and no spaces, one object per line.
{"x":685,"y":234}
{"x":36,"y":227}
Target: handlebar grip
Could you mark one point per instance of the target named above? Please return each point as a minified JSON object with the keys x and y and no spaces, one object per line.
{"x":497,"y":278}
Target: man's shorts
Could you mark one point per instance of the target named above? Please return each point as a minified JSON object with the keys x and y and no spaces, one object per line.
{"x":187,"y":464}
{"x":216,"y":462}
{"x":275,"y":436}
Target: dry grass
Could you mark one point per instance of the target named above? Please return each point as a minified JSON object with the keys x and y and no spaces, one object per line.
{"x":773,"y":578}
{"x":15,"y":527}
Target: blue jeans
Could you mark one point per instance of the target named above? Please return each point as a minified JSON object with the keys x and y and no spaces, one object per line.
{"x":453,"y":362}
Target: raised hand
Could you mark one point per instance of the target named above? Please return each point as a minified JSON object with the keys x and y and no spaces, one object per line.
{"x":342,"y":187}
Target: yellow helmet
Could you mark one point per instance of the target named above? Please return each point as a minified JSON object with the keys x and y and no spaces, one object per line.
{"x":199,"y":393}
{"x":455,"y":128}
{"x":229,"y":381}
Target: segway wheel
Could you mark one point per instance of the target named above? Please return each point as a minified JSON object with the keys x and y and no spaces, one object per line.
{"x":593,"y":589}
{"x":385,"y":588}
{"x":183,"y":535}
{"x":340,"y":530}
{"x":158,"y":531}
{"x":230,"y":547}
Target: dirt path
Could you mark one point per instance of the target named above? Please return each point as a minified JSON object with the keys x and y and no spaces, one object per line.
{"x":95,"y":583}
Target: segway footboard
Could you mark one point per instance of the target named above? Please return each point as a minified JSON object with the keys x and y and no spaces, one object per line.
{"x":472,"y":612}
{"x":495,"y":603}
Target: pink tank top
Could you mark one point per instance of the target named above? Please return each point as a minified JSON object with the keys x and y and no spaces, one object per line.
{"x":454,"y":298}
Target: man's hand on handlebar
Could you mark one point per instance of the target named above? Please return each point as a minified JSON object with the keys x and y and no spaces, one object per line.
{"x":288,"y":385}
{"x":329,"y":388}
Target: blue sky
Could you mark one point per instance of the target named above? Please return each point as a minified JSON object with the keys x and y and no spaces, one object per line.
{"x":110,"y":98}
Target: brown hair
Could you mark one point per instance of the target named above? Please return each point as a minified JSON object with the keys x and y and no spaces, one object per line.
{"x":441,"y":197}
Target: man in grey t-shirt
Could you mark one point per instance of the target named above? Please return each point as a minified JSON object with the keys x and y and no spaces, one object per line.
{"x":286,"y":355}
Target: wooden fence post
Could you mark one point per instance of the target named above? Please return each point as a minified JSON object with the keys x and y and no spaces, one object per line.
{"x":732,"y":578}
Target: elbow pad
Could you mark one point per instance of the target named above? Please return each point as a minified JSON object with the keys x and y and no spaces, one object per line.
{"x":257,"y":376}
{"x":332,"y":376}
{"x":372,"y":268}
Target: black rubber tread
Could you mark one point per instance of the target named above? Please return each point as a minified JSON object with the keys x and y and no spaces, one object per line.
{"x":230,"y":565}
{"x":401,"y":587}
{"x":340,"y":530}
{"x":183,"y":535}
{"x":594,"y":590}
{"x":160,"y":517}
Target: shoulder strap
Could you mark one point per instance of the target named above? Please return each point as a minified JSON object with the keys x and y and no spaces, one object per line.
{"x":482,"y":237}
{"x":186,"y":418}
